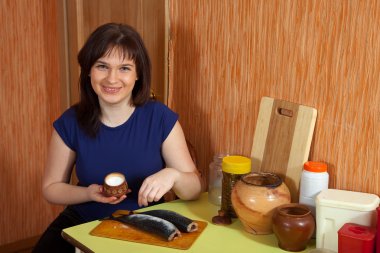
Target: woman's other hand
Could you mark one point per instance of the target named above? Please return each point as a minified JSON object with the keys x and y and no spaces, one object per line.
{"x":180,"y":173}
{"x":156,"y":185}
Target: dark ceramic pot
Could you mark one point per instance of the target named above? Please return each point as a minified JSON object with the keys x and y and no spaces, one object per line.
{"x":293,"y":225}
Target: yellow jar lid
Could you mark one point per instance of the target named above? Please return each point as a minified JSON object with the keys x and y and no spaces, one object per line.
{"x":236,"y":164}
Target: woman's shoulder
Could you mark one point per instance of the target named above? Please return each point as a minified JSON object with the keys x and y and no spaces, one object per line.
{"x":68,"y":115}
{"x":157,"y":110}
{"x":67,"y":127}
{"x":155,"y":106}
{"x":68,"y":119}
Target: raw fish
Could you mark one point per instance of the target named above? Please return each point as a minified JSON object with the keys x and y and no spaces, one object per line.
{"x":150,"y":224}
{"x":183,"y":223}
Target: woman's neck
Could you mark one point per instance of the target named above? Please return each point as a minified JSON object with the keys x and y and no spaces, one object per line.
{"x":116,"y":115}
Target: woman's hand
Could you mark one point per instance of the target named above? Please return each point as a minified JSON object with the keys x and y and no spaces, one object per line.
{"x":95,"y":193}
{"x":156,"y":185}
{"x":180,"y":174}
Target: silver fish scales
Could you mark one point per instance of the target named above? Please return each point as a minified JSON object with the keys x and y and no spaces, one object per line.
{"x":150,"y":224}
{"x":183,"y":223}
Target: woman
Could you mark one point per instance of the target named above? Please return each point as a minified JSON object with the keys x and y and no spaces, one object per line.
{"x":114,"y":127}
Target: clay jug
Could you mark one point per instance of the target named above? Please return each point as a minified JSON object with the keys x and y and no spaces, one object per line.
{"x":254,"y":199}
{"x":293,"y":225}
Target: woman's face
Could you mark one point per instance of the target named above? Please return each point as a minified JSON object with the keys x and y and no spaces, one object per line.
{"x":113,"y":78}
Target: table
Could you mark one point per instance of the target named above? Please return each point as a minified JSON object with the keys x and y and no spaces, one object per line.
{"x":215,"y":238}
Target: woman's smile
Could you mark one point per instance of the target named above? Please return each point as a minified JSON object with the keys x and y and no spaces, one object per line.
{"x":110,"y":90}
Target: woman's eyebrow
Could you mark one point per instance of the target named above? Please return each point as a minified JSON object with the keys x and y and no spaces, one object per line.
{"x":102,"y":62}
{"x":105,"y":63}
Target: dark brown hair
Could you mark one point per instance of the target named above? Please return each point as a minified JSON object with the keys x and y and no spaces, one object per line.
{"x":101,"y":42}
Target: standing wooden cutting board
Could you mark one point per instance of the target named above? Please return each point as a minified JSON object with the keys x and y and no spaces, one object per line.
{"x":282,"y":140}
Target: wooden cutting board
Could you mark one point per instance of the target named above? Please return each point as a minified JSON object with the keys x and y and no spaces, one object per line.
{"x":282,"y":140}
{"x":116,"y":230}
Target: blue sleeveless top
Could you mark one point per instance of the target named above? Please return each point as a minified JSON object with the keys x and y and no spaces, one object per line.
{"x":133,"y":148}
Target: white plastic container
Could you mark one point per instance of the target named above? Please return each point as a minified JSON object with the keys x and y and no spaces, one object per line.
{"x":314,"y":179}
{"x":337,"y":207}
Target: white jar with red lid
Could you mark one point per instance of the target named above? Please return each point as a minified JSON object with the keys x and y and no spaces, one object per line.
{"x":314,"y":179}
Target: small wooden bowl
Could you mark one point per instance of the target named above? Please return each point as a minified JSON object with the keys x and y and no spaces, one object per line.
{"x":115,"y":185}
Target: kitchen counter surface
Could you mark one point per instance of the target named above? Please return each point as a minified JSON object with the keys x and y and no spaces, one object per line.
{"x":215,"y":238}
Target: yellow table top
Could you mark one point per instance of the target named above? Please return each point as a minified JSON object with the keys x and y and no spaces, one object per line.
{"x":215,"y":238}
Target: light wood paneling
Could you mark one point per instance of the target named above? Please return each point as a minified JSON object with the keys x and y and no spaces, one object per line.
{"x":29,"y":101}
{"x":146,"y":16}
{"x":225,"y":55}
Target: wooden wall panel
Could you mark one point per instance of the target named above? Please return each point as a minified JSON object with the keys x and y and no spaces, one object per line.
{"x":225,"y":55}
{"x":146,"y":16}
{"x":34,"y":90}
{"x":29,"y":100}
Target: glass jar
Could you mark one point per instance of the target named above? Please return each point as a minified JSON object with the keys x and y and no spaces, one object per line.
{"x":215,"y":180}
{"x":233,"y":168}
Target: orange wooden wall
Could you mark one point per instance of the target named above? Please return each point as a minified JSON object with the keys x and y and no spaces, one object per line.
{"x":39,"y":75}
{"x":29,"y":101}
{"x":225,"y":55}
